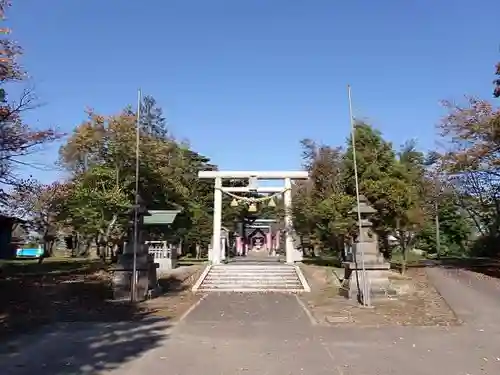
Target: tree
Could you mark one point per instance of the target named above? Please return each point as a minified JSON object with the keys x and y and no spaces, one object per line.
{"x":101,"y":157}
{"x":152,"y":120}
{"x":40,"y":205}
{"x":450,"y":231}
{"x":193,"y":225}
{"x":96,"y":205}
{"x":321,"y":205}
{"x":454,"y":229}
{"x":410,"y":214}
{"x":392,"y":182}
{"x":378,"y":178}
{"x":17,"y":139}
{"x":472,"y":162}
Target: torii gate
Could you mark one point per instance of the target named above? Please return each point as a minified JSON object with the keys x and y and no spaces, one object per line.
{"x":292,"y":255}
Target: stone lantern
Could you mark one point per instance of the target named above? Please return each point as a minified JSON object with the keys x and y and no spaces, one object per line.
{"x":146,"y":279}
{"x":366,"y":235}
{"x":366,"y":255}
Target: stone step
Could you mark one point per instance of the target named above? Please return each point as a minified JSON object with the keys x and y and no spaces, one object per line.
{"x":250,"y":278}
{"x":256,"y":274}
{"x":251,"y":290}
{"x":242,"y":281}
{"x":269,"y":277}
{"x":250,"y":286}
{"x":253,"y":264}
{"x":246,"y":272}
{"x":253,"y":268}
{"x":265,"y":268}
{"x":253,"y":275}
{"x":259,"y":282}
{"x":258,"y":267}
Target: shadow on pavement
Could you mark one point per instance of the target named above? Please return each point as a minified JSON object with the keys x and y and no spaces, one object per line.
{"x":82,"y":348}
{"x":70,"y":324}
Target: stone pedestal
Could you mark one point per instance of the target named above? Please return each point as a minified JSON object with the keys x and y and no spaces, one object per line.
{"x":210,"y":253}
{"x":293,"y":248}
{"x":147,"y":279}
{"x":377,"y":278}
{"x":297,"y":255}
{"x":377,"y":272}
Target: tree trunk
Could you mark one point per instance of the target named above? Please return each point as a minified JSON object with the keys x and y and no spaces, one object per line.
{"x":403,"y":263}
{"x":86,"y":243}
{"x":74,"y":245}
{"x":384,"y":244}
{"x":180,"y":248}
{"x":47,"y":250}
{"x":105,"y":238}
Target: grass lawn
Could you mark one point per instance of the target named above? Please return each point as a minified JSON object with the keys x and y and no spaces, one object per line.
{"x":190,"y":261}
{"x":411,"y":258}
{"x":323,"y":261}
{"x":59,"y":288}
{"x":49,"y":266}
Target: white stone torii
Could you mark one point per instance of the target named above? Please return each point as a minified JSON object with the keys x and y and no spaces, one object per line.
{"x":292,"y":255}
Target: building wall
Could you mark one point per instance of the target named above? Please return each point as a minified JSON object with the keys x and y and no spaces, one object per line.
{"x":6,"y":250}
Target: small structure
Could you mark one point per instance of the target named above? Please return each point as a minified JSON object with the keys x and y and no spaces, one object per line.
{"x":33,"y":252}
{"x":11,"y":236}
{"x":164,"y":254}
{"x":256,"y":237}
{"x":365,"y":252}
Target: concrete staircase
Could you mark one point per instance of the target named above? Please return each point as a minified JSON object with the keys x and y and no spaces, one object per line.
{"x":263,"y":277}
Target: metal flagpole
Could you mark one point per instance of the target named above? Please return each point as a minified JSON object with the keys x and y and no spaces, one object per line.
{"x":133,"y":292}
{"x":366,"y":298}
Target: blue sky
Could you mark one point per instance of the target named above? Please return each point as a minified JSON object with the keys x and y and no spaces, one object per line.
{"x":244,"y":81}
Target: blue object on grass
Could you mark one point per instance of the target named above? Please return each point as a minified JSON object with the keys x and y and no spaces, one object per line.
{"x":29,"y":253}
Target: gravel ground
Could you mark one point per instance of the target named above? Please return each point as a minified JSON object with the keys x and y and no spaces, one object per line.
{"x":178,"y":297}
{"x":423,"y":306}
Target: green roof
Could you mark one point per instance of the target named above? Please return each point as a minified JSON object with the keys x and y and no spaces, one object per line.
{"x":161,"y":217}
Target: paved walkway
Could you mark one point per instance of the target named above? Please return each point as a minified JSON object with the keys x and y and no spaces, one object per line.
{"x":272,"y":334}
